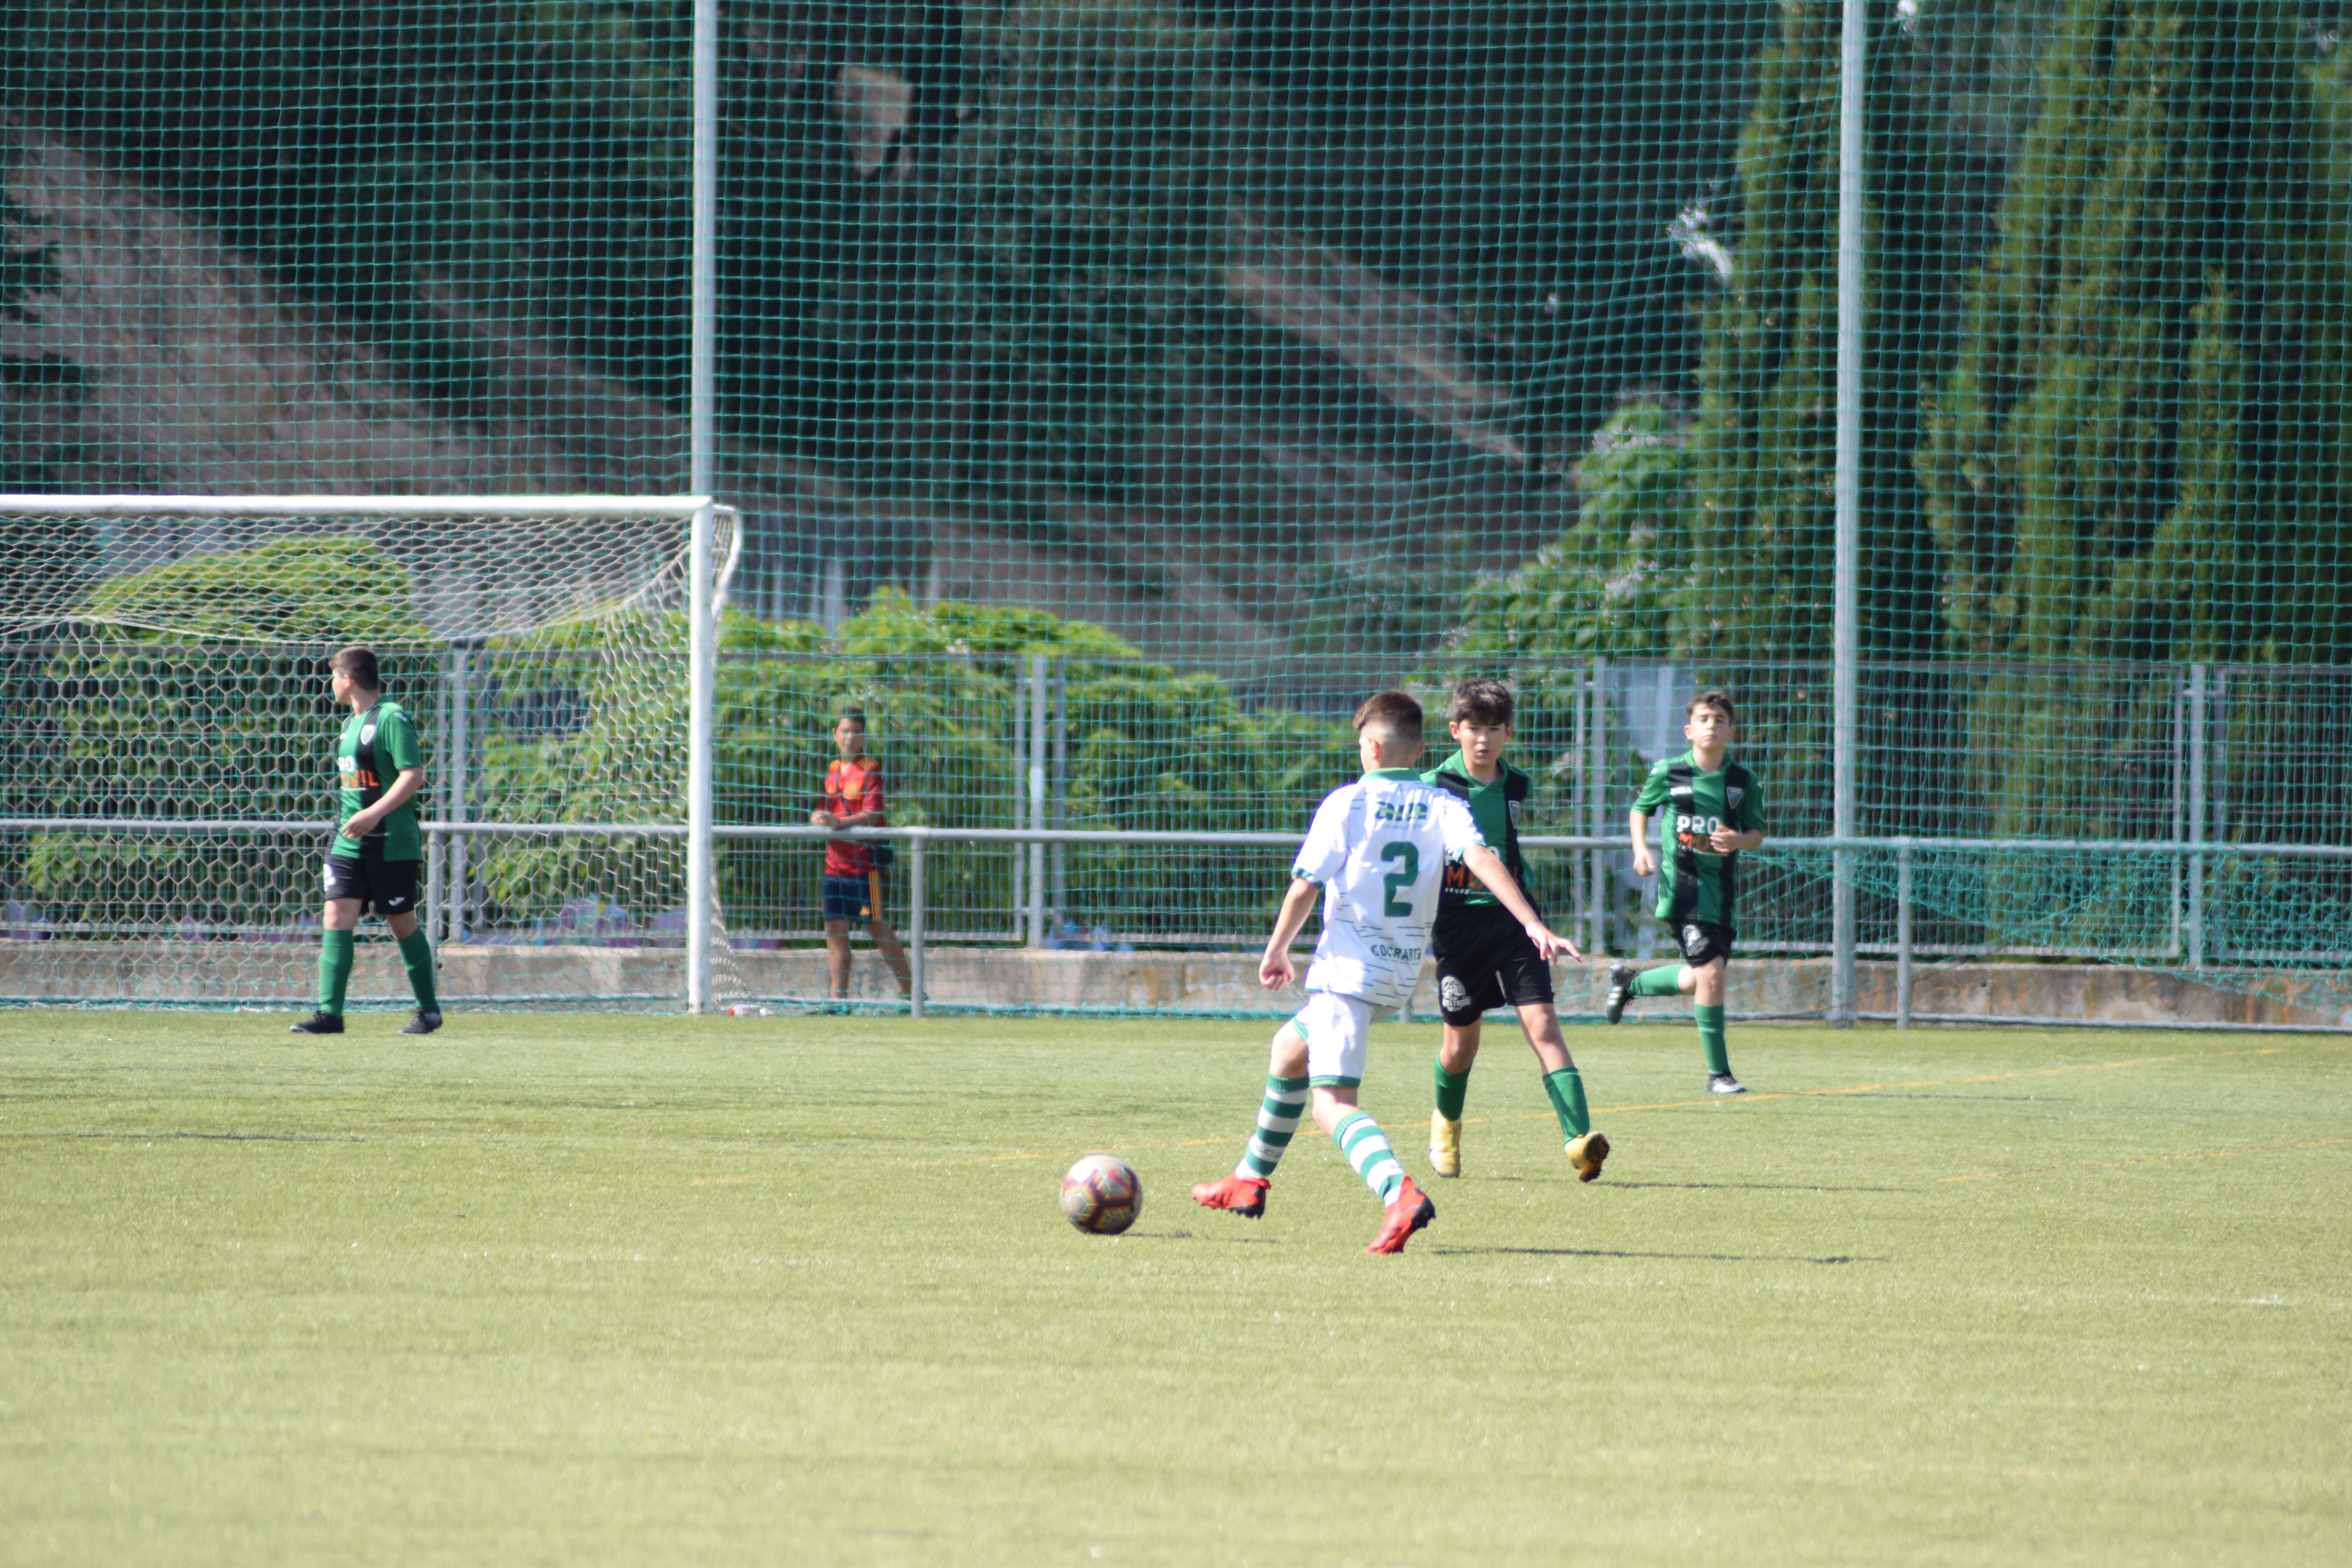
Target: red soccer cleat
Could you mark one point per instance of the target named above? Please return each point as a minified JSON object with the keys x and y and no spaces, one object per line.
{"x":1407,"y":1212}
{"x":1238,"y":1193}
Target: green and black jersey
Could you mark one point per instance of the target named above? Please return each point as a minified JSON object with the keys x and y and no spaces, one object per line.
{"x":376,"y":747}
{"x":1694,"y":883}
{"x":1495,"y":806}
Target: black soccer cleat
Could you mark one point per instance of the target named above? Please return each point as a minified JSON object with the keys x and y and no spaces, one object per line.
{"x":421,"y":1023}
{"x":1620,"y":990}
{"x":317,"y":1024}
{"x":1724,"y":1083}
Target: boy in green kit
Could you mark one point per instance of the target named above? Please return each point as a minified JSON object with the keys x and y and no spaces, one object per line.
{"x":373,"y":861}
{"x":1484,"y":959}
{"x":1719,"y":812}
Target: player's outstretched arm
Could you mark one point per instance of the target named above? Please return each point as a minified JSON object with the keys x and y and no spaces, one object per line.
{"x":1644,"y":863}
{"x":1488,"y":867}
{"x":1274,"y":967}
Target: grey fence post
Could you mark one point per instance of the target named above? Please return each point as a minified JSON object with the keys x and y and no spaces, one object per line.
{"x":1061,"y":818}
{"x":1037,"y":672}
{"x":1597,"y":763}
{"x":917,"y":865}
{"x":461,"y":707}
{"x":1903,"y":936}
{"x":2176,"y":805}
{"x":2196,"y":814}
{"x":1018,"y":863}
{"x":1846,"y":701}
{"x":436,"y":843}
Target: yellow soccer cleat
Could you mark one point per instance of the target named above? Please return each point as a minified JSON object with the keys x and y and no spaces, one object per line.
{"x":1444,"y":1145}
{"x":1585,"y":1154}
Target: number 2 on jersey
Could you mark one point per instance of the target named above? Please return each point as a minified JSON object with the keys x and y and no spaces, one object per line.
{"x":1404,"y":878}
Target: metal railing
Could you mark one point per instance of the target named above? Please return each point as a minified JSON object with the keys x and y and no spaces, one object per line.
{"x":918,"y":841}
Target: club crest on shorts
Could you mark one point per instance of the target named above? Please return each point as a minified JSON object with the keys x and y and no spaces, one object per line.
{"x":1451,"y":996}
{"x":1692,"y":936}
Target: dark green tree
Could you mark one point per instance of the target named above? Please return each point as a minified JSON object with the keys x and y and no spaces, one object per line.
{"x":2142,"y":452}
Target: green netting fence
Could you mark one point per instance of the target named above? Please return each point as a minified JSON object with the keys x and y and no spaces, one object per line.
{"x":1237,"y":360}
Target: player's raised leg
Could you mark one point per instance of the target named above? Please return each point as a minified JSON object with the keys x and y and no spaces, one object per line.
{"x":1627,"y":982}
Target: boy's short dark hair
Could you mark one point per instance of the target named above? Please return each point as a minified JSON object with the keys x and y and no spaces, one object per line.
{"x":850,"y":716}
{"x":1395,"y":712}
{"x":1481,"y":699}
{"x":1718,"y":700}
{"x":358,"y":666}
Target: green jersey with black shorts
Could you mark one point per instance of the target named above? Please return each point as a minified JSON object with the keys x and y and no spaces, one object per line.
{"x":1698,"y":890}
{"x":1482,"y":955}
{"x":377,"y":745}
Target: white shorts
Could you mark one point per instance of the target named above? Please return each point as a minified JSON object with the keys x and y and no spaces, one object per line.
{"x":1336,"y":1029}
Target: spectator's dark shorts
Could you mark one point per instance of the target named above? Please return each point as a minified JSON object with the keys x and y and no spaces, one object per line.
{"x":389,"y":887}
{"x":1702,"y":943}
{"x":850,"y":899}
{"x":1484,"y":960}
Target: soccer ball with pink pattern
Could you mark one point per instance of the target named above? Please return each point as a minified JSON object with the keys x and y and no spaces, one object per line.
{"x":1102,"y":1194}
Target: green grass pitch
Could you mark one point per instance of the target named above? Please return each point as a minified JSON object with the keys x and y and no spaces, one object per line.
{"x":568,"y":1289}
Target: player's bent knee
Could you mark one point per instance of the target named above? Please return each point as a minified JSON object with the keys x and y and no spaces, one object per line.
{"x":1287,"y":1056}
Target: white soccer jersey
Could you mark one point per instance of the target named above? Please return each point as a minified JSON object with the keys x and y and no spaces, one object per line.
{"x":1378,"y":848}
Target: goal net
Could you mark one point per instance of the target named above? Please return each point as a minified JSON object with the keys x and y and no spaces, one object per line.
{"x":166,"y":739}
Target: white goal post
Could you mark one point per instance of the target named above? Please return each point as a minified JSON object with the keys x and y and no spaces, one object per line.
{"x":203,"y":616}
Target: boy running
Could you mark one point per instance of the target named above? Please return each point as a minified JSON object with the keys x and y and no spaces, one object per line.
{"x":1484,"y":959}
{"x":852,"y":889}
{"x":1718,"y":811}
{"x":374,"y":857}
{"x":1376,"y":853}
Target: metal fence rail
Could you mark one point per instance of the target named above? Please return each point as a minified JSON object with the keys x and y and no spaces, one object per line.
{"x":919,"y":842}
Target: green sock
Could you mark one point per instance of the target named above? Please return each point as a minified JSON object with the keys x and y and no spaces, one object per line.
{"x":1710,"y":1037}
{"x":1566,"y":1087}
{"x":1367,"y":1148}
{"x":1277,"y":1120}
{"x":418,"y":954}
{"x":1665,"y":980}
{"x":1453,"y":1089}
{"x":335,"y":970}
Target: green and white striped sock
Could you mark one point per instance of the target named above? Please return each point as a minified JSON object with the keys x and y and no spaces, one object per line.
{"x":1277,"y":1119}
{"x":1367,"y":1148}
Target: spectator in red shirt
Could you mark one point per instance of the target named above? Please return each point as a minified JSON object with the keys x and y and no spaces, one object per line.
{"x":853,"y":876}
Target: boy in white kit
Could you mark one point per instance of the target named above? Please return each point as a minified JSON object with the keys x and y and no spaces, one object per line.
{"x":1376,"y":854}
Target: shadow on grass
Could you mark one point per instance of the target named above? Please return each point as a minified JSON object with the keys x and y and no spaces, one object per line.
{"x":206,"y":1136}
{"x":1671,"y":1256}
{"x":1753,"y":1186}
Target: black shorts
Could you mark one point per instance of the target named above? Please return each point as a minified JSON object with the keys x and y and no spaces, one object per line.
{"x":850,"y":899}
{"x":1702,"y":942}
{"x":389,"y":887}
{"x":1484,"y":960}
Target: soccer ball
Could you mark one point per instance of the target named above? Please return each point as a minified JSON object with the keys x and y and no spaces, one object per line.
{"x":1102,"y":1194}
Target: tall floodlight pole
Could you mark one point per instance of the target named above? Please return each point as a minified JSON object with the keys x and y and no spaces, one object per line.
{"x":1845,"y":696}
{"x":703,"y":475}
